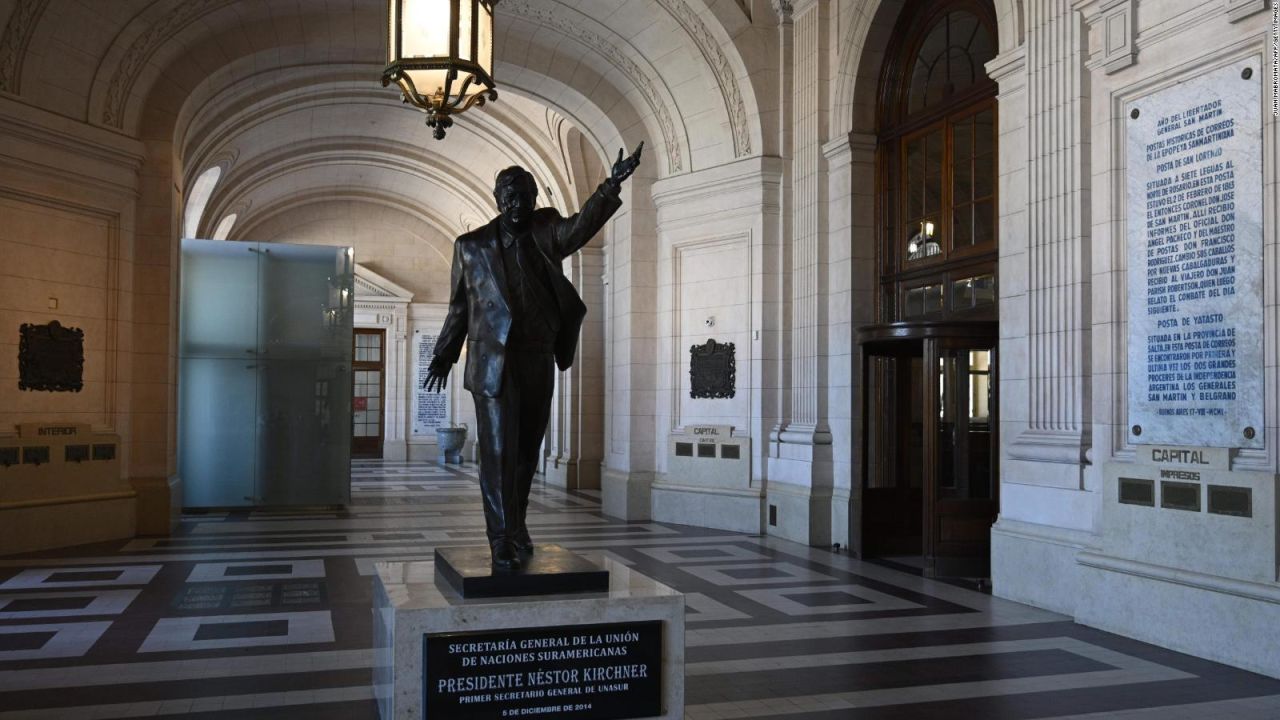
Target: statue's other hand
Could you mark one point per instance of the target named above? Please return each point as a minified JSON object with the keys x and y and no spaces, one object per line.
{"x":437,"y":375}
{"x":623,"y":167}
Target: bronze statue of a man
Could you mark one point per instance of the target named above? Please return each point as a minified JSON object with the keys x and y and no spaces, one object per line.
{"x":520,"y":316}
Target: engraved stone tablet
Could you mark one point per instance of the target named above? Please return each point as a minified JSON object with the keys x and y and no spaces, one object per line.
{"x":430,"y":409}
{"x":1194,"y":181}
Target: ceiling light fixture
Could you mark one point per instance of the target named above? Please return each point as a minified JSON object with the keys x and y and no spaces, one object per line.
{"x":440,"y":54}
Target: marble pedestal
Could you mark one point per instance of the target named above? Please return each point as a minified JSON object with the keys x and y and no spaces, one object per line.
{"x":410,"y":604}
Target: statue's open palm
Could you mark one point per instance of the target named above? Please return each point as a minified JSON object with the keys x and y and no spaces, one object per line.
{"x":623,"y":167}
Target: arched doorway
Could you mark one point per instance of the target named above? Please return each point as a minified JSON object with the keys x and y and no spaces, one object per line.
{"x":930,"y":482}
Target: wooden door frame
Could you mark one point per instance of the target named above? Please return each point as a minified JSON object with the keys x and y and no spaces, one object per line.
{"x":381,"y":367}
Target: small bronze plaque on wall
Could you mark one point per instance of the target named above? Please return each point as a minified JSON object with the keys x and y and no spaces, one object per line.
{"x":1231,"y":500}
{"x":684,"y":449}
{"x":1179,"y":496}
{"x":51,"y":357}
{"x":35,"y":455}
{"x":76,"y":453}
{"x":712,"y":370}
{"x":8,"y":456}
{"x":1137,"y":491}
{"x":730,"y":452}
{"x":105,"y":451}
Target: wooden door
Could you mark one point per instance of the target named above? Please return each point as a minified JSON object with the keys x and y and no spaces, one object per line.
{"x":961,"y":474}
{"x":368,"y":390}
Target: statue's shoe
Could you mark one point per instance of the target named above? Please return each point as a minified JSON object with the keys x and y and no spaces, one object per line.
{"x":524,"y":543}
{"x":505,"y":556}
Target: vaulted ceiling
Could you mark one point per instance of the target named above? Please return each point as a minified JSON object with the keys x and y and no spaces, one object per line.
{"x":283,"y":96}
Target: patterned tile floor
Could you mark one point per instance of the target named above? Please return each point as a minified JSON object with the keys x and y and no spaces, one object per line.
{"x":267,"y":615}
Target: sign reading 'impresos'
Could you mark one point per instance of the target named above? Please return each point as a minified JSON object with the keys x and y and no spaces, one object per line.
{"x":584,"y":672}
{"x":1195,"y":302}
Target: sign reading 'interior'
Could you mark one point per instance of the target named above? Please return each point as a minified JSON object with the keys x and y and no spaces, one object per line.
{"x":584,"y":672}
{"x":1195,"y":261}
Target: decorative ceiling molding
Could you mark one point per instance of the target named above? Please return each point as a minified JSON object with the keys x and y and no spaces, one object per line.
{"x":143,"y":47}
{"x":715,"y":57}
{"x":642,"y":81}
{"x":13,"y":44}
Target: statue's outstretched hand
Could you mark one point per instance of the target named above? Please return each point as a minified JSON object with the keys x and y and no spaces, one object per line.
{"x":437,"y":375}
{"x":623,"y":168}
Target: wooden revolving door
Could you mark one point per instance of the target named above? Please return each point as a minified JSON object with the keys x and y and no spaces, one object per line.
{"x":930,"y":482}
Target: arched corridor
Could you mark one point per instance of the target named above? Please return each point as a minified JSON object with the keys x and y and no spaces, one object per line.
{"x":979,"y":294}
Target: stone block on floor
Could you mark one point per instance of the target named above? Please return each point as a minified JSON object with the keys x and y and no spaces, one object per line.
{"x":618,"y":654}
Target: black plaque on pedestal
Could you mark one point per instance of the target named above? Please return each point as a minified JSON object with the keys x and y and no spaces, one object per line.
{"x":551,"y":570}
{"x":583,"y":672}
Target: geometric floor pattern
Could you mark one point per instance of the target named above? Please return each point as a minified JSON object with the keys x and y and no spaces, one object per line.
{"x":245,"y":615}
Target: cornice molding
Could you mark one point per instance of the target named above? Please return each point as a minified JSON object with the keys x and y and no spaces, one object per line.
{"x":374,"y":288}
{"x":55,"y":130}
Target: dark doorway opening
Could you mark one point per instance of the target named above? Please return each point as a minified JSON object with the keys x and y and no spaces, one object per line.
{"x":930,"y":489}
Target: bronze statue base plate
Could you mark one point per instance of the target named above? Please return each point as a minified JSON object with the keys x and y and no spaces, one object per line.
{"x":551,"y":570}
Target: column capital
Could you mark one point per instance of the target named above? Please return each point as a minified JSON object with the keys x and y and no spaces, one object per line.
{"x":1008,"y":69}
{"x":1118,"y":48}
{"x":800,"y":7}
{"x":784,"y":9}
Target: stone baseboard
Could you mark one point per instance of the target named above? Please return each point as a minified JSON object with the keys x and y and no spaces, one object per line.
{"x":573,"y":475}
{"x":1220,"y":619}
{"x":47,"y":524}
{"x":626,"y":495}
{"x":1036,"y":564}
{"x":803,"y":514}
{"x":717,"y":508}
{"x":159,"y":506}
{"x":395,"y":450}
{"x":840,"y":517}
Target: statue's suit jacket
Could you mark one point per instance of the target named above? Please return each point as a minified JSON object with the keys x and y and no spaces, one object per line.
{"x":479,"y":308}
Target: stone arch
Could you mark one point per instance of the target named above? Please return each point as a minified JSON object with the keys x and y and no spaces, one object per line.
{"x":861,"y":53}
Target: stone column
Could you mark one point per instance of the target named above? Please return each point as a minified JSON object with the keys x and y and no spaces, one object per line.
{"x":1045,"y":365}
{"x":800,"y":469}
{"x":394,"y":442}
{"x":852,"y":281}
{"x":631,"y":373}
{"x":579,"y":449}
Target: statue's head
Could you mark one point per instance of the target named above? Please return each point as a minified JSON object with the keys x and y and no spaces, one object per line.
{"x":516,"y":193}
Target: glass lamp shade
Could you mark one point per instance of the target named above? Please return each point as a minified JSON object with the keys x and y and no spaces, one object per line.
{"x":440,"y":55}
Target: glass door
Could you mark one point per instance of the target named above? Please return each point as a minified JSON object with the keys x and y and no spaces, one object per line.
{"x":962,"y":480}
{"x":304,"y":331}
{"x":218,"y":373}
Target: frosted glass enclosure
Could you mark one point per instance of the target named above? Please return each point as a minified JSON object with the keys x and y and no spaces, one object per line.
{"x":264,"y":379}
